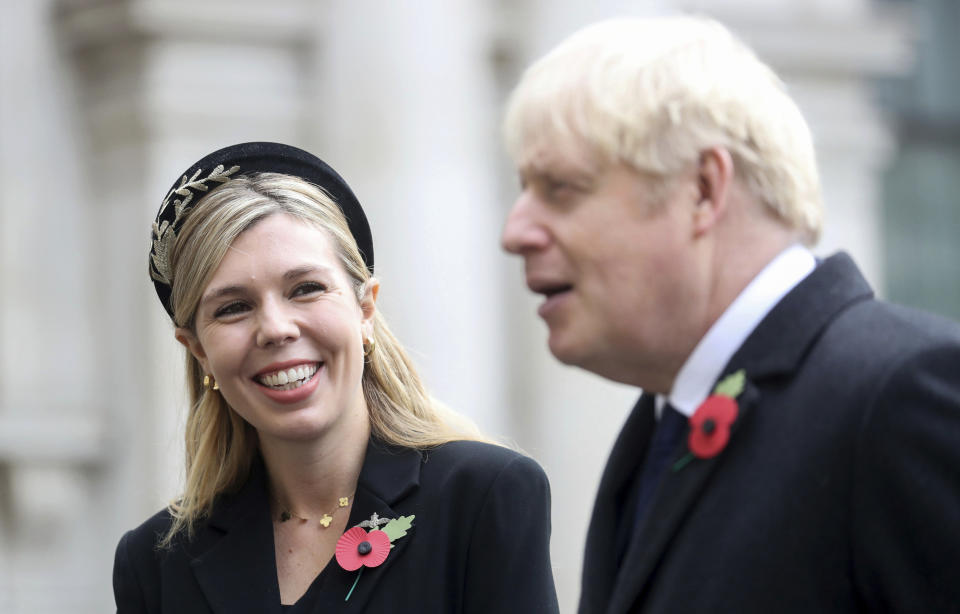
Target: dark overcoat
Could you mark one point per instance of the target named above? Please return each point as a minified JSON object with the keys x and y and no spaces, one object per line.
{"x":839,"y":489}
{"x":479,"y":543}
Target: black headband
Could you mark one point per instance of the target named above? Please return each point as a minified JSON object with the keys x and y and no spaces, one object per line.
{"x":244,"y":159}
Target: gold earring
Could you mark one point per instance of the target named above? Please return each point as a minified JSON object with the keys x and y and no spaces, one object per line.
{"x":206,"y":382}
{"x":368,"y":346}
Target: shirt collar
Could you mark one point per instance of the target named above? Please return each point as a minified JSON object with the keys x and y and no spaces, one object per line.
{"x":704,"y":365}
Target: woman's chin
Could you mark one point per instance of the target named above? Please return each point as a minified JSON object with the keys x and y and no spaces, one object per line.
{"x":300,"y":428}
{"x":308,"y":426}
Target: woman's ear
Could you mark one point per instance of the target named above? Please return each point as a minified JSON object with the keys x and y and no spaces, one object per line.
{"x":189,"y":340}
{"x":368,"y":302}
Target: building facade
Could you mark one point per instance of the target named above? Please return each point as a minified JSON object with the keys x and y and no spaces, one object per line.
{"x":103,"y":102}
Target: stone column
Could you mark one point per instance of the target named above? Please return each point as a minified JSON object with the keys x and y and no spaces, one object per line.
{"x":566,"y":417}
{"x":117,"y":98}
{"x":51,"y":414}
{"x":406,"y":102}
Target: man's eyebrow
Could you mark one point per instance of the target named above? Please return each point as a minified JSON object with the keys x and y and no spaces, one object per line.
{"x":570,"y":175}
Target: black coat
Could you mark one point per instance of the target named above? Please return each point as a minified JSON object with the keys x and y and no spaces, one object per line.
{"x":479,"y":543}
{"x":839,"y":490}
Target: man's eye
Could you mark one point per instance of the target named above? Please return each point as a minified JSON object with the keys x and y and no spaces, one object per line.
{"x":554,"y":188}
{"x":230,"y":309}
{"x":308,"y":288}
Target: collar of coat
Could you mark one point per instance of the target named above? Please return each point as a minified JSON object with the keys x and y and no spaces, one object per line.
{"x":233,"y":557}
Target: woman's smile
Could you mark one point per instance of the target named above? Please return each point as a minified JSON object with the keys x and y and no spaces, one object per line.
{"x":291,"y":385}
{"x":288,"y":378}
{"x":293,"y":392}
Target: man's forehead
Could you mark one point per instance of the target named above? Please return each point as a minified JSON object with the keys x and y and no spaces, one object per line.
{"x":567,"y":158}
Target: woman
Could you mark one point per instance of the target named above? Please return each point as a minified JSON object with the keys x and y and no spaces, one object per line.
{"x":320,"y":476}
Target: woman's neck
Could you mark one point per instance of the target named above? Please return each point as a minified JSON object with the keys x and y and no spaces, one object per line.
{"x":307,"y":478}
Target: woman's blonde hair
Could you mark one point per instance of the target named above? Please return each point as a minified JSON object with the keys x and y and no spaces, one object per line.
{"x":220,"y":445}
{"x":655,"y":93}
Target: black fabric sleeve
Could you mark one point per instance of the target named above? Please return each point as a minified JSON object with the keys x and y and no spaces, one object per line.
{"x":508,"y":568}
{"x":906,"y":501}
{"x":126,"y":588}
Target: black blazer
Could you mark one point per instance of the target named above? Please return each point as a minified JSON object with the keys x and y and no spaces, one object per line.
{"x":479,"y":543}
{"x":839,"y":490}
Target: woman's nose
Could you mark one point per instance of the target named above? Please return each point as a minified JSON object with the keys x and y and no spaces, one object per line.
{"x":276,"y":324}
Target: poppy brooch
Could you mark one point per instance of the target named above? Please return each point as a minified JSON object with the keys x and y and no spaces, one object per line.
{"x":710,"y":424}
{"x":358,"y":548}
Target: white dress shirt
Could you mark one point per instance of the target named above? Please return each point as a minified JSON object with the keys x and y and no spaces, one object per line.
{"x":698,"y":374}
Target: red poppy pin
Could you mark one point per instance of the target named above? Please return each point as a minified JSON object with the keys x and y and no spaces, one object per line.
{"x":358,"y":548}
{"x":710,"y":424}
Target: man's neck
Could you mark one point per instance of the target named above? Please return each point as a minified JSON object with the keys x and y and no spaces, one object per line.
{"x":704,"y":365}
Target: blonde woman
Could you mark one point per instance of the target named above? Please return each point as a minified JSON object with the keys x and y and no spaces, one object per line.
{"x":320,"y":475}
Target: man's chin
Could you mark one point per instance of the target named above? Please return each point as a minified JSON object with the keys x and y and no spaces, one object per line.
{"x":592,"y":359}
{"x":566,"y":350}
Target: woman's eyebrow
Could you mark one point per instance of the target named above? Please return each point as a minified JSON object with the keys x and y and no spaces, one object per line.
{"x":306,"y":269}
{"x":234,"y":289}
{"x":221,"y":292}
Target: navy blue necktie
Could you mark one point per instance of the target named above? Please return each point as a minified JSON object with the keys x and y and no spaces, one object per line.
{"x":663,"y":446}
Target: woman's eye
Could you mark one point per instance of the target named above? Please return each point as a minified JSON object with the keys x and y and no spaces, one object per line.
{"x":230,"y":309}
{"x":308,"y":288}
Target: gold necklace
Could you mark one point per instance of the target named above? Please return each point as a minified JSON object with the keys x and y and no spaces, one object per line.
{"x":325,"y":520}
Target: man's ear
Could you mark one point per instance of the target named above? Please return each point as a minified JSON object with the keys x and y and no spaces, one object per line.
{"x":715,"y":181}
{"x":189,"y":340}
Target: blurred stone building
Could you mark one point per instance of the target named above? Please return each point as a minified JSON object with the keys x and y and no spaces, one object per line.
{"x":103,"y":102}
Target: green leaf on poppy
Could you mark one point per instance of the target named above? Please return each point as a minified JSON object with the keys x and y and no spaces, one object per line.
{"x":397,"y":527}
{"x":732,"y":385}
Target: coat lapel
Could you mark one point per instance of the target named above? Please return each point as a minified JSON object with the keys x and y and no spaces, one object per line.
{"x":389,"y":475}
{"x":676,"y":493}
{"x":775,"y":348}
{"x":781,"y":340}
{"x":237,"y":569}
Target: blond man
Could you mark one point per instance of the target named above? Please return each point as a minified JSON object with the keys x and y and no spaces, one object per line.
{"x":796,"y":445}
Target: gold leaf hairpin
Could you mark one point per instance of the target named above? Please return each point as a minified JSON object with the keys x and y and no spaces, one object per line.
{"x":164,"y":233}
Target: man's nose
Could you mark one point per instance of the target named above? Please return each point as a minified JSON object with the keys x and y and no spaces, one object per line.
{"x":524,"y":230}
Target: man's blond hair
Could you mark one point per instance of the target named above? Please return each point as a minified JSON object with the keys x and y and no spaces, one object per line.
{"x":655,"y":93}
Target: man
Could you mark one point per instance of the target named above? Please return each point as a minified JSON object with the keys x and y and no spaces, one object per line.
{"x":669,"y":197}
